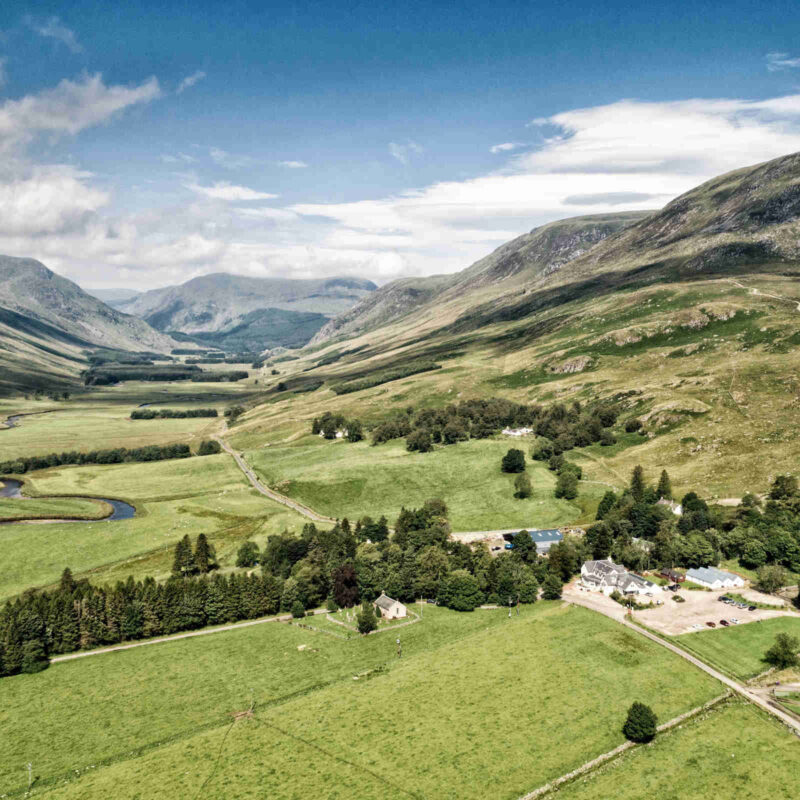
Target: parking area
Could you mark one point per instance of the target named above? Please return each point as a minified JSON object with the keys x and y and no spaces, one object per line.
{"x":692,"y":615}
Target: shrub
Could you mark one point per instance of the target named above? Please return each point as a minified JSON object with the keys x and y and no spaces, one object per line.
{"x":522,"y":486}
{"x":419,"y":441}
{"x":297,"y":610}
{"x":567,"y":485}
{"x":783,"y":653}
{"x":640,"y":726}
{"x":551,"y":588}
{"x":209,"y":447}
{"x":366,"y":621}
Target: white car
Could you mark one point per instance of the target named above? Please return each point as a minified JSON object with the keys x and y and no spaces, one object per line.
{"x":734,"y":621}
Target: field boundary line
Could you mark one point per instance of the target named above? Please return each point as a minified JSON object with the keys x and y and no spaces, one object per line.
{"x":600,"y":760}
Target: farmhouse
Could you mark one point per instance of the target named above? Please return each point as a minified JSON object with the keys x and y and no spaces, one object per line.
{"x":390,"y":609}
{"x":713,"y":578}
{"x":606,"y":576}
{"x":517,"y":431}
{"x":675,"y":508}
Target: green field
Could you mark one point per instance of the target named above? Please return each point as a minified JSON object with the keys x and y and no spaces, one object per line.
{"x":477,"y":700}
{"x":51,"y":507}
{"x":343,"y":479}
{"x":205,"y":494}
{"x":736,"y":751}
{"x":738,"y":650}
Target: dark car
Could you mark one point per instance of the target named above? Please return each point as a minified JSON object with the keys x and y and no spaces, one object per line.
{"x":711,"y":624}
{"x":724,"y":623}
{"x":722,"y":598}
{"x":751,"y":608}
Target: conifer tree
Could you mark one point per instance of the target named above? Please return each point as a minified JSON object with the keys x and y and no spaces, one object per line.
{"x":637,"y":484}
{"x":640,"y":726}
{"x":180,"y":559}
{"x":203,"y":555}
{"x":664,"y":486}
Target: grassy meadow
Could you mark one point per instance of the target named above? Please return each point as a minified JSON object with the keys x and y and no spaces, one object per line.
{"x":442,"y":713}
{"x":205,"y":494}
{"x":49,"y":507}
{"x":735,"y":751}
{"x":342,"y":479}
{"x":739,"y":649}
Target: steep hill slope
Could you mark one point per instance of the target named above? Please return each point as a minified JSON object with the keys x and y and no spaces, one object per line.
{"x":250,"y":312}
{"x":46,"y":322}
{"x":114,"y":297}
{"x":689,"y":318}
{"x":538,"y":253}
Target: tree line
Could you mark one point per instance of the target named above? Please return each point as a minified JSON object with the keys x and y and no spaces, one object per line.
{"x":328,"y":425}
{"x":173,"y":413}
{"x":117,"y":455}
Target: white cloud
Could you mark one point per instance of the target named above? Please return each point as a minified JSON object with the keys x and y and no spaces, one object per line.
{"x":404,"y":152}
{"x":53,"y":28}
{"x":229,"y":192}
{"x":229,"y":161}
{"x":69,"y":108}
{"x":779,"y":61}
{"x":293,"y":164}
{"x":189,"y":81}
{"x":178,"y":158}
{"x":505,"y":147}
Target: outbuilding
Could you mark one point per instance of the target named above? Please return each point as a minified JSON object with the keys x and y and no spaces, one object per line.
{"x":388,"y":608}
{"x":543,"y":539}
{"x":713,"y":578}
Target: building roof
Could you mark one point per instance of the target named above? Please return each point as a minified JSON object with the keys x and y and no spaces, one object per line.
{"x":548,"y":535}
{"x":604,"y":567}
{"x":709,"y":575}
{"x":385,"y":602}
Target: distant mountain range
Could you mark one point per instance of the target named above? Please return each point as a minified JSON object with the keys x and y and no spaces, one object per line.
{"x":239,"y":312}
{"x":48,"y":322}
{"x":113,"y":297}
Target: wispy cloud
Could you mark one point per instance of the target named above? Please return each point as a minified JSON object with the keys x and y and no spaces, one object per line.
{"x":189,"y":81}
{"x":505,"y":147}
{"x":3,"y":74}
{"x":293,"y":164}
{"x":404,"y":152}
{"x":53,"y":28}
{"x":229,"y":192}
{"x":178,"y":158}
{"x":779,"y":61}
{"x":70,"y":107}
{"x":223,"y":158}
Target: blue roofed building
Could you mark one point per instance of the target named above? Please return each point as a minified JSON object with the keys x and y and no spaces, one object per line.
{"x":543,"y":539}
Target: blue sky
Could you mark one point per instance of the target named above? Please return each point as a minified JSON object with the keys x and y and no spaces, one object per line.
{"x":145,"y":143}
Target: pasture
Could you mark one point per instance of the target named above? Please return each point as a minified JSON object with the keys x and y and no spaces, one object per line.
{"x":49,"y":507}
{"x":738,"y":650}
{"x":477,"y":700}
{"x":341,"y":479}
{"x":205,"y":494}
{"x":735,"y":751}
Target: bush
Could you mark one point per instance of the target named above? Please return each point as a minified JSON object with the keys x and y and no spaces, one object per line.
{"x":567,"y":485}
{"x":419,"y":441}
{"x":522,"y":486}
{"x":633,"y":425}
{"x":640,"y":726}
{"x":513,"y":461}
{"x":366,"y":621}
{"x":771,"y":578}
{"x":298,"y":612}
{"x":209,"y":447}
{"x":551,"y":588}
{"x":783,"y":654}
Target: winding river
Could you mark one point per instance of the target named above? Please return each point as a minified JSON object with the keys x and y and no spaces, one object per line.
{"x":12,"y":488}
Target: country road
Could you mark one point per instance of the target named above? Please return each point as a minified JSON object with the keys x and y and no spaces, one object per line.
{"x":267,"y":492}
{"x":748,"y":694}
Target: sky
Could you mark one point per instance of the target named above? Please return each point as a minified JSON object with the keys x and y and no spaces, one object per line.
{"x":145,"y":143}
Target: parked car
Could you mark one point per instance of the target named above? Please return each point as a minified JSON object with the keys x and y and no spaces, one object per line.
{"x":723,"y":599}
{"x":741,"y":605}
{"x":724,"y":623}
{"x":711,"y":624}
{"x":734,"y":621}
{"x":509,"y":546}
{"x":751,"y":608}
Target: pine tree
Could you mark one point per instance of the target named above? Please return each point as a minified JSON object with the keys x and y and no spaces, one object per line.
{"x":67,"y":581}
{"x":203,"y":555}
{"x":664,"y":486}
{"x":180,"y":556}
{"x":34,"y":656}
{"x":637,"y":484}
{"x":640,"y":726}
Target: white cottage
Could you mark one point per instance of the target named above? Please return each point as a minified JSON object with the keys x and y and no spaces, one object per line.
{"x":713,"y":578}
{"x":606,"y":576}
{"x":388,"y":608}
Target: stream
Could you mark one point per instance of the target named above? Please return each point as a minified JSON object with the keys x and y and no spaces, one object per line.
{"x":12,"y":488}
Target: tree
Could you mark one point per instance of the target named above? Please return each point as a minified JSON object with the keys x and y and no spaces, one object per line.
{"x":365,"y":621}
{"x":567,"y":485}
{"x":298,"y":611}
{"x":524,"y":548}
{"x":522,"y":486}
{"x":783,"y":653}
{"x":345,"y":586}
{"x":204,"y":556}
{"x":183,"y":563}
{"x":637,"y":484}
{"x":783,"y":487}
{"x":460,"y":591}
{"x":34,"y":657}
{"x":664,"y":489}
{"x":248,"y":554}
{"x":329,"y":428}
{"x":208,"y":447}
{"x":640,"y":726}
{"x":771,"y":577}
{"x":355,"y":433}
{"x":513,"y":461}
{"x":754,"y":555}
{"x":315,"y":427}
{"x":419,"y":441}
{"x":606,"y":504}
{"x":551,"y":588}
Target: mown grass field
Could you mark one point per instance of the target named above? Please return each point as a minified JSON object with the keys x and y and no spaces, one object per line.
{"x":736,"y":751}
{"x":342,"y":479}
{"x":205,"y":494}
{"x":739,"y":650}
{"x":477,"y":700}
